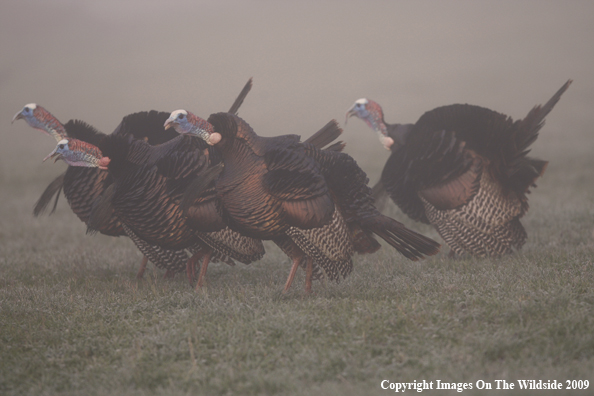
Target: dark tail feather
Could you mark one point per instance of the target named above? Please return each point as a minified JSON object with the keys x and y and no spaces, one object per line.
{"x":380,"y":195}
{"x":198,"y":185}
{"x":539,"y":165}
{"x":338,"y":147}
{"x":56,"y":201}
{"x":326,"y":135}
{"x":239,"y":101}
{"x":546,"y":109}
{"x":523,"y":171}
{"x":363,"y":241}
{"x":410,"y":244}
{"x":102,"y":211}
{"x":53,"y":188}
{"x":534,"y":121}
{"x":525,"y":174}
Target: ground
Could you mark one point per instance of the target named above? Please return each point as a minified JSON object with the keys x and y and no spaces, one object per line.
{"x":76,"y":321}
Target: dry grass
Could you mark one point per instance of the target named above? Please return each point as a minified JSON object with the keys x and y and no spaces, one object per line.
{"x":75,"y":320}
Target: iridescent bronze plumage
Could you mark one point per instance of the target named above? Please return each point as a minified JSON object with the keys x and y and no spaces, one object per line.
{"x":464,"y":169}
{"x":315,"y":204}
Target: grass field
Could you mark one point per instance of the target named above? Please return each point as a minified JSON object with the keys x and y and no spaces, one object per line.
{"x":76,"y":321}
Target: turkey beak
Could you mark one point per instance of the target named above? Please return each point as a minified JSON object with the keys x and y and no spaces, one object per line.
{"x":351,"y":112}
{"x":17,"y":116}
{"x":52,"y":155}
{"x":168,"y":124}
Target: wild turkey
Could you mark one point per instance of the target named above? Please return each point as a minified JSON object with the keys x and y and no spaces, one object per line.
{"x":148,"y":183}
{"x":313,"y":203}
{"x":464,"y":169}
{"x":82,"y":186}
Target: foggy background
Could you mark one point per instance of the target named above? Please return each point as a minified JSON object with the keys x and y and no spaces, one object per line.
{"x":100,"y":60}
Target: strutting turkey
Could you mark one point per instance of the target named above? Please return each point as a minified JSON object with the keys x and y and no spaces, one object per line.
{"x":314,"y":204}
{"x":148,"y":183}
{"x":82,"y":186}
{"x":464,"y":169}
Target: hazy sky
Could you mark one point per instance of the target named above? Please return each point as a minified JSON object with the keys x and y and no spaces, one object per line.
{"x":101,"y":60}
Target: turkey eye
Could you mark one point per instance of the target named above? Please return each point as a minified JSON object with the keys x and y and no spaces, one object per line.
{"x":61,"y":146}
{"x":181,"y":116}
{"x":26,"y":109}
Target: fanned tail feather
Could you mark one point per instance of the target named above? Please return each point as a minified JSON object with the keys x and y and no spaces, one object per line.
{"x":326,"y":135}
{"x":239,"y":101}
{"x":523,"y":171}
{"x":363,"y":241}
{"x":338,"y":147}
{"x":55,"y":187}
{"x":410,"y":244}
{"x":539,"y":165}
{"x":534,"y":121}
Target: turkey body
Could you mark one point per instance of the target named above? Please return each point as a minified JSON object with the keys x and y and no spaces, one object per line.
{"x":465,"y":170}
{"x":310,"y":202}
{"x":148,"y":185}
{"x":83,"y":186}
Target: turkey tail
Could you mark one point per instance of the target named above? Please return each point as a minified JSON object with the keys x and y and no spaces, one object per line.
{"x":239,"y":101}
{"x":338,"y":147}
{"x":523,"y":171}
{"x":145,"y":125}
{"x":82,"y":131}
{"x":526,"y":173}
{"x":410,"y":244}
{"x":326,"y":135}
{"x":539,"y":165}
{"x":55,"y":187}
{"x":363,"y":241}
{"x":198,"y":185}
{"x":102,"y":211}
{"x":534,"y":121}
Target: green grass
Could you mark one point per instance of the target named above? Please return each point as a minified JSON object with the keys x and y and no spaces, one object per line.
{"x":74,"y":320}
